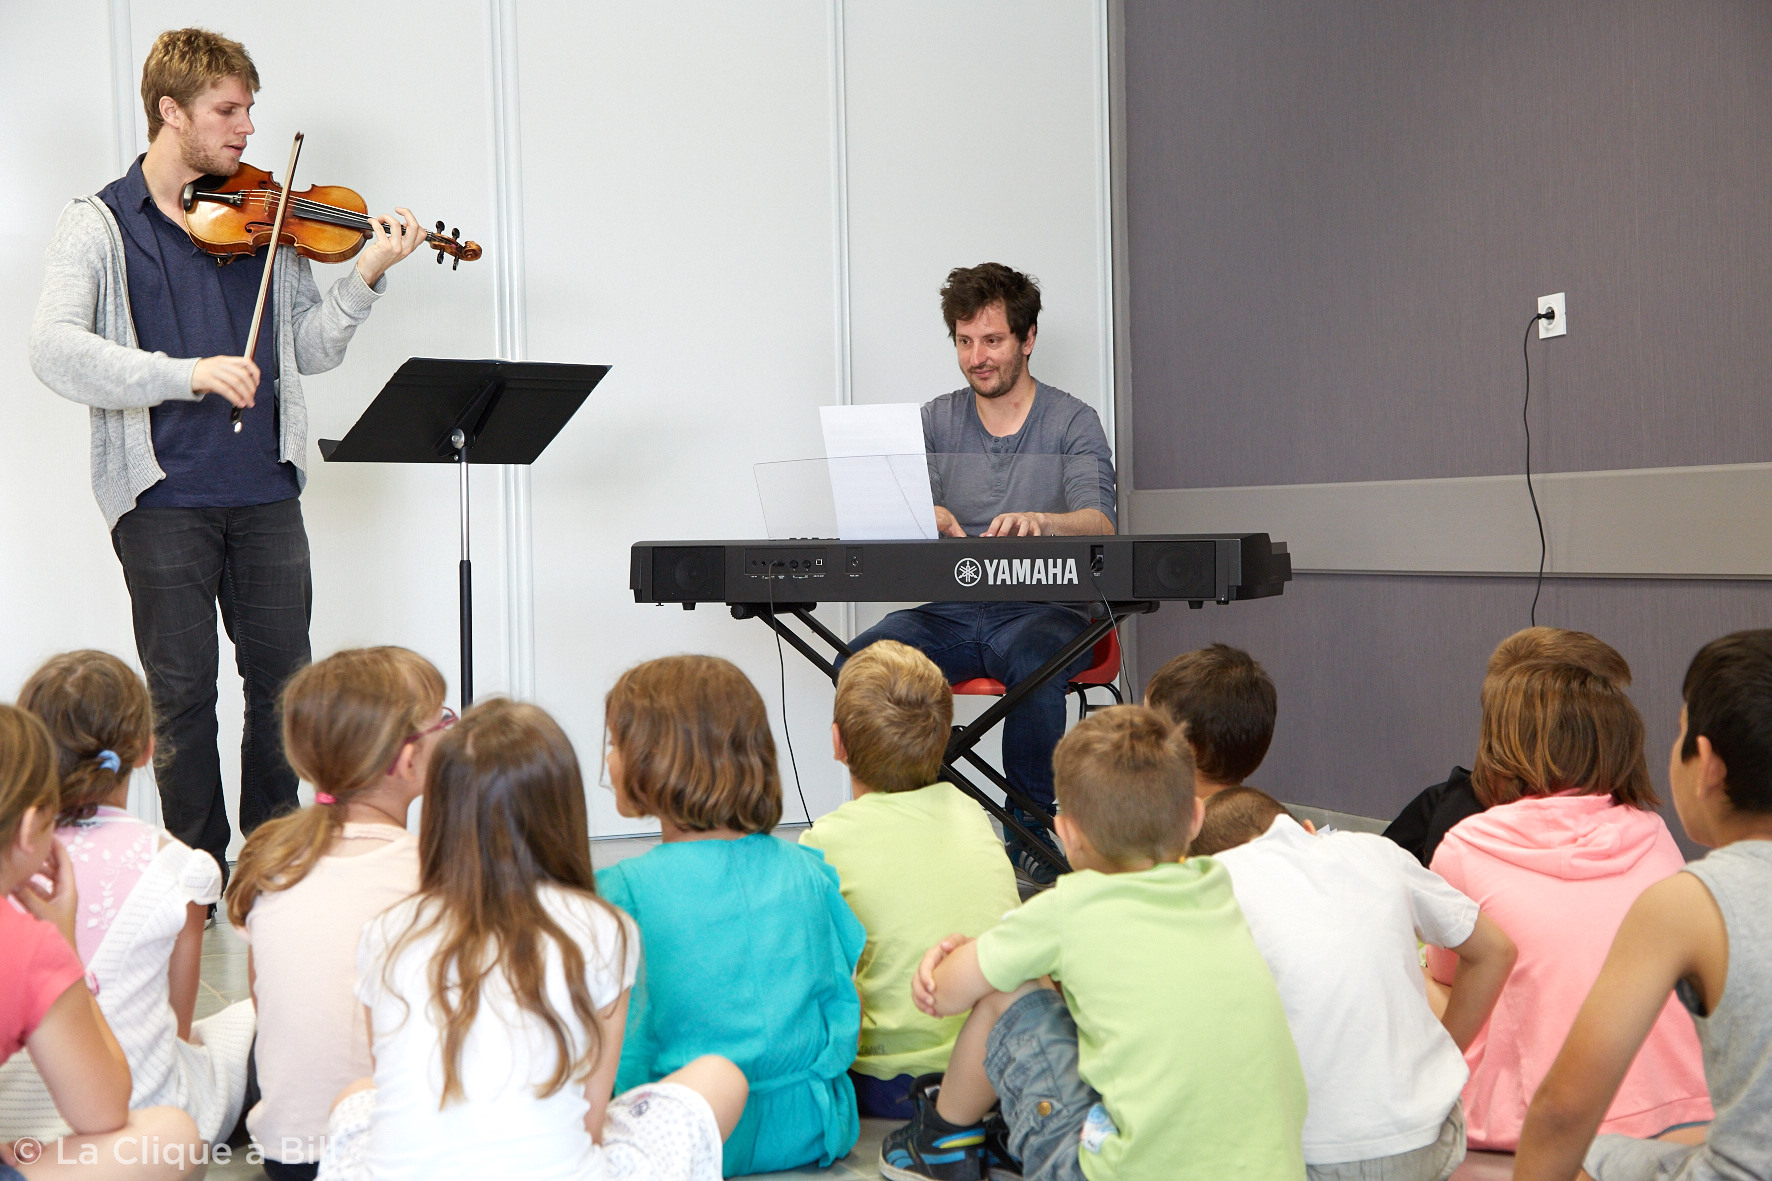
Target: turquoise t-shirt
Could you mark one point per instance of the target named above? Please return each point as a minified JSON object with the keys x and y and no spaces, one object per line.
{"x":1179,"y":1023}
{"x":748,"y":951}
{"x":917,"y":866}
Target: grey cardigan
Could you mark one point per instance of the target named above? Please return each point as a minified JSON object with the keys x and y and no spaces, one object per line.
{"x":83,"y":347}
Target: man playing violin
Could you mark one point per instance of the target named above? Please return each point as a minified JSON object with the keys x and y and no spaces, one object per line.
{"x":139,"y":323}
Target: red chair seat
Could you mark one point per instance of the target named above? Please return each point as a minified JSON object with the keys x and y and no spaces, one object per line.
{"x":1104,"y":669}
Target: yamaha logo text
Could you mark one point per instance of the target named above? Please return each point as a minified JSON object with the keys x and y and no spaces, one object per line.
{"x":1016,"y":571}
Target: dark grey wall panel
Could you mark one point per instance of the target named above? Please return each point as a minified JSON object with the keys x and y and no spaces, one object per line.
{"x":1379,"y":674}
{"x":1340,"y":215}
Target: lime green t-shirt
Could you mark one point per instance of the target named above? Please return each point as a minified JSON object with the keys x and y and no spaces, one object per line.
{"x":915,"y":867}
{"x":1179,"y":1023}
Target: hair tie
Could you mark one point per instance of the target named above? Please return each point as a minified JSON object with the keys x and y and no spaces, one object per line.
{"x":321,"y":797}
{"x":109,"y":761}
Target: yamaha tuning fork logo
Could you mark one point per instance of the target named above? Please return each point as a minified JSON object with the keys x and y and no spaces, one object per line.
{"x":969,"y":572}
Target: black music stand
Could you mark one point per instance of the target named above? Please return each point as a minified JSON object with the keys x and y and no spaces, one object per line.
{"x":462,"y":412}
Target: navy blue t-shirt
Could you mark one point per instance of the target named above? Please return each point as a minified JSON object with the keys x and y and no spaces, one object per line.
{"x":185,"y":305}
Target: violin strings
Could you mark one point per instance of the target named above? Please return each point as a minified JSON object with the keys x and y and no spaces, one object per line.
{"x":319,"y":211}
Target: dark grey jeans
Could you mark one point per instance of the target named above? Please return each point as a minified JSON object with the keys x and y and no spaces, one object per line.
{"x":181,"y":564}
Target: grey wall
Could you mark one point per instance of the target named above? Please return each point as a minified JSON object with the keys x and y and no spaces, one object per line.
{"x":1341,"y":216}
{"x":1338,"y":218}
{"x":1378,"y":674}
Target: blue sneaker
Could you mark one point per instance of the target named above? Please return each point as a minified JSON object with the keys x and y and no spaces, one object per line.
{"x":929,"y":1148}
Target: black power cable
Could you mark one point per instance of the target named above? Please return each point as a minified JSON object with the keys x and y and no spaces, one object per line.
{"x":1547,"y":314}
{"x":782,"y":661}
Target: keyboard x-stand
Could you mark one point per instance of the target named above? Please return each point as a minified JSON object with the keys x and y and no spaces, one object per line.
{"x":1112,"y":577}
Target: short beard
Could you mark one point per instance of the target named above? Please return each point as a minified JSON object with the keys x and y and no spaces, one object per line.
{"x":1013,"y":380}
{"x":216,"y":165}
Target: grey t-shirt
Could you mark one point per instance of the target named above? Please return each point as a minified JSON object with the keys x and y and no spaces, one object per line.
{"x":1058,"y":462}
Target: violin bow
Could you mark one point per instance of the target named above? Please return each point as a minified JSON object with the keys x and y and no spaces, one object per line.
{"x":264,"y":283}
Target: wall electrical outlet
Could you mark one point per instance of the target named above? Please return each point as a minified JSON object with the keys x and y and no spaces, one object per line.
{"x":1557,"y":326}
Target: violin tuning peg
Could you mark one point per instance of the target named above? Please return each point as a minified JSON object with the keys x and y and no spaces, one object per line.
{"x":455,"y":234}
{"x":439,"y":257}
{"x":457,"y":264}
{"x":439,"y":225}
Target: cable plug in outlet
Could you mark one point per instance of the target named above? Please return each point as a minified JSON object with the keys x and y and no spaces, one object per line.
{"x":1556,"y":322}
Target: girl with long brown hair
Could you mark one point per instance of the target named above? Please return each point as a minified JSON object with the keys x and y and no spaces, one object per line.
{"x":358,"y":726}
{"x":146,"y":894}
{"x":46,"y":1008}
{"x":498,"y":994}
{"x":750,"y":947}
{"x":1568,"y":840}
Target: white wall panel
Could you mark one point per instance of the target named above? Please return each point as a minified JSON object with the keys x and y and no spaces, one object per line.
{"x":975,"y":134}
{"x":677,"y":182}
{"x":60,"y":586}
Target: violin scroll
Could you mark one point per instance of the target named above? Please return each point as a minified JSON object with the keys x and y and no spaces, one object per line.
{"x":452,"y":246}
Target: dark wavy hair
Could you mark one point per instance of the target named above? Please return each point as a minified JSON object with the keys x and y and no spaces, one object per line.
{"x":970,"y":290}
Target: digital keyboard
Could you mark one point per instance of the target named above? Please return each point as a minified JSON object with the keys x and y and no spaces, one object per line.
{"x":1191,"y":567}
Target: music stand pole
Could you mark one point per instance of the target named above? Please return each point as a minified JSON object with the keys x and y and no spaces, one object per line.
{"x":450,"y":411}
{"x":459,"y":439}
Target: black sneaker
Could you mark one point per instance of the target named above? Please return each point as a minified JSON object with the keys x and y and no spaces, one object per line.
{"x":1030,"y":869}
{"x":999,"y":1163}
{"x":929,"y":1148}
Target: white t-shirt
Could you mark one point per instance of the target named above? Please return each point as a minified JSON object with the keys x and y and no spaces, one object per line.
{"x":501,"y":1128}
{"x":1336,"y":916}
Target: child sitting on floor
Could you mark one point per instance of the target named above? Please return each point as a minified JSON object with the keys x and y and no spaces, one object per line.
{"x":359,"y":727}
{"x":1167,"y":1054}
{"x":1422,"y":825}
{"x":1567,"y":843}
{"x":750,"y":948}
{"x":1228,"y":704}
{"x":498,"y":994}
{"x":1337,"y":917}
{"x":46,"y":1007}
{"x":1704,"y":935}
{"x":916,"y":858}
{"x":144,"y":899}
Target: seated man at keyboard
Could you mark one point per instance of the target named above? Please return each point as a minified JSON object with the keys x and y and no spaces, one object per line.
{"x":1010,"y":457}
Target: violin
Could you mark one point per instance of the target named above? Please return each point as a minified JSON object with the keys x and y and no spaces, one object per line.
{"x":327,"y":223}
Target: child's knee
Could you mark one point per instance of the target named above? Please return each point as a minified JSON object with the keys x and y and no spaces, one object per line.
{"x":721,"y":1083}
{"x":168,"y":1125}
{"x":990,"y":1008}
{"x":362,"y":1084}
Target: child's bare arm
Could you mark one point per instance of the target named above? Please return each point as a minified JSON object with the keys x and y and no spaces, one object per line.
{"x":600,"y":1086}
{"x":1673,"y":932}
{"x":81,"y":1063}
{"x":1484,"y":961}
{"x":186,"y":967}
{"x":949,"y":980}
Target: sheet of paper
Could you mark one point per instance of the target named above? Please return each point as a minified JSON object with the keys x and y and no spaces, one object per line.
{"x":879,"y":472}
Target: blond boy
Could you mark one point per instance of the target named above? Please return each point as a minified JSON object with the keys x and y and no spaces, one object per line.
{"x":916,"y":859}
{"x":1167,"y":1053}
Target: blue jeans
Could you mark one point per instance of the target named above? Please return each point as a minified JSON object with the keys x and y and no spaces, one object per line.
{"x":181,"y":564}
{"x":1007,"y":642}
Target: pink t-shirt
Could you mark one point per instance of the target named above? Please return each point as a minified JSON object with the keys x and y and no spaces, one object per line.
{"x":36,"y":967}
{"x":312,"y":1040}
{"x":1558,"y":874}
